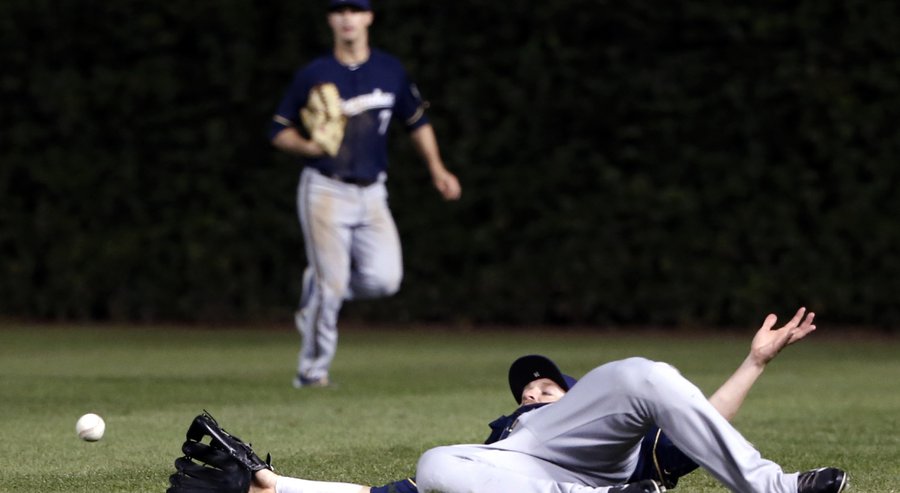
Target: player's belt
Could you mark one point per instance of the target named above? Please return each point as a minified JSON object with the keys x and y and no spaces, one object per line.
{"x":360,"y":182}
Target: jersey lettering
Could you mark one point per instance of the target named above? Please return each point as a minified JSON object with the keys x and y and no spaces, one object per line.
{"x":385,"y":117}
{"x":365,"y":102}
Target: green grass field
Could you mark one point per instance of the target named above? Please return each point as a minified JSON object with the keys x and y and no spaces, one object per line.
{"x":828,"y":401}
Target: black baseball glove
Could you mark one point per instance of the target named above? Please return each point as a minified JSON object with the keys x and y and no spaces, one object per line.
{"x":223,"y":464}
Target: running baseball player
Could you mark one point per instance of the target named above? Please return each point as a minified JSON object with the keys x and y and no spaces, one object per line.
{"x":536,"y":381}
{"x":335,"y":117}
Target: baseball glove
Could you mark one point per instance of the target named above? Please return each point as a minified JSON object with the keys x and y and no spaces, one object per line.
{"x":224,"y":464}
{"x":323,"y":117}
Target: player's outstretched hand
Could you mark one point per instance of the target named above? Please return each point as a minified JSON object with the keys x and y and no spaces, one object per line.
{"x":768,"y":341}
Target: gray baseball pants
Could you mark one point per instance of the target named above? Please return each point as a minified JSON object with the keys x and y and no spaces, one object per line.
{"x":353,"y":250}
{"x":590,"y":440}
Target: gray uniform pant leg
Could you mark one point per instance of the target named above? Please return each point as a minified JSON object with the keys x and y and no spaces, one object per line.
{"x":591,"y":437}
{"x":680,"y":409}
{"x":353,"y":249}
{"x":484,"y":469}
{"x":598,"y":425}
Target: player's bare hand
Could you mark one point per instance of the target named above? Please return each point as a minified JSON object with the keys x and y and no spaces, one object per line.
{"x":768,"y":341}
{"x":447,"y":184}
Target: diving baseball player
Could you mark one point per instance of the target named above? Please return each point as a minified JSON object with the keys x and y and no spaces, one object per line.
{"x":535,"y":381}
{"x":335,"y":115}
{"x":594,"y":438}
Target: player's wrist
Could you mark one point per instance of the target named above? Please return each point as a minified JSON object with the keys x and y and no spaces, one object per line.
{"x":757,"y":361}
{"x":264,"y":481}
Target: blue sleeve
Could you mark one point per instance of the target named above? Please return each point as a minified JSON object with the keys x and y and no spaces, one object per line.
{"x":499,"y":427}
{"x":288,"y":112}
{"x":410,"y":106}
{"x":407,"y":485}
{"x":661,"y":460}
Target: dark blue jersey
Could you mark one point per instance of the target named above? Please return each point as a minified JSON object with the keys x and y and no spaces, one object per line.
{"x":372,"y":93}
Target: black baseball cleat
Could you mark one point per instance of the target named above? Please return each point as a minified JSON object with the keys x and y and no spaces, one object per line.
{"x":823,"y":480}
{"x":645,"y":486}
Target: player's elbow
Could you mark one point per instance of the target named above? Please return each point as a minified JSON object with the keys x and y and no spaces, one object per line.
{"x":280,"y":139}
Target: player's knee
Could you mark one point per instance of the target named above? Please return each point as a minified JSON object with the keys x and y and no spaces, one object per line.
{"x":651,"y":380}
{"x":380,"y":286}
{"x":391,"y":285}
{"x":629,"y":375}
{"x":436,"y":470}
{"x":389,"y":281}
{"x":430,"y":461}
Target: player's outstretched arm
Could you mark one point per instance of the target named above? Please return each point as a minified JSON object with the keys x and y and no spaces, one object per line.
{"x":766,"y":345}
{"x":264,"y":482}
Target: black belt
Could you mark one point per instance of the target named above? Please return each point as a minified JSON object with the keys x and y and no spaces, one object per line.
{"x":360,"y":182}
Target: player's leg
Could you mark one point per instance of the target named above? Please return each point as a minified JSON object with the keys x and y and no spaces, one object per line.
{"x":697,"y":429}
{"x":610,"y":409}
{"x":481,"y":469}
{"x":324,"y":208}
{"x":377,"y":266}
{"x":307,"y":286}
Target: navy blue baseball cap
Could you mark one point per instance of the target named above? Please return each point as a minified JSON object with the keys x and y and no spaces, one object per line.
{"x":357,"y":4}
{"x":532,"y":367}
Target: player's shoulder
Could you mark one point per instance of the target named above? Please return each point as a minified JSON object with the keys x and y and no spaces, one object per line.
{"x":326,"y":61}
{"x":316,"y":70}
{"x":383,"y":58}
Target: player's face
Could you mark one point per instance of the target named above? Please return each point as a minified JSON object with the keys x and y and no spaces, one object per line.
{"x":349,"y":24}
{"x":542,"y":391}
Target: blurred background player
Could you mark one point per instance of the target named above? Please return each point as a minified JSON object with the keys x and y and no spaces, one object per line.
{"x":352,"y":245}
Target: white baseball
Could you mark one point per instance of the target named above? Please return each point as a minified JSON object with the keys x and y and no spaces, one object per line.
{"x":90,"y":427}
